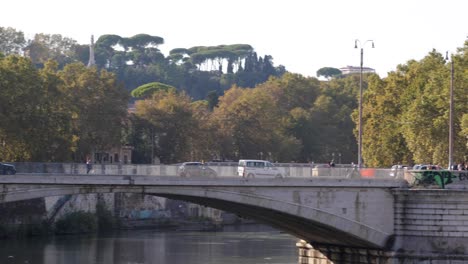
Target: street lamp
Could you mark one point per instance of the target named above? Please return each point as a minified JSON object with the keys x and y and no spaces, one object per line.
{"x":450,"y":161}
{"x":360,"y":98}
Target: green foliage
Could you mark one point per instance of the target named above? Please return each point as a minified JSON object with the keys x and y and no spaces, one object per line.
{"x":171,"y":123}
{"x":76,"y":223}
{"x":46,"y":47}
{"x":309,"y":120}
{"x":464,"y":126}
{"x":105,"y":220}
{"x":328,"y":72}
{"x":142,"y":41}
{"x":70,"y":112}
{"x":384,"y":141}
{"x":148,"y":89}
{"x":332,"y":128}
{"x":406,"y":114}
{"x":245,"y":129}
{"x":97,"y":106}
{"x":137,"y":60}
{"x":21,"y":99}
{"x":140,"y":135}
{"x":263,"y":111}
{"x":429,"y":88}
{"x":179,"y":51}
{"x":108,"y":41}
{"x":11,"y":41}
{"x":212,"y":99}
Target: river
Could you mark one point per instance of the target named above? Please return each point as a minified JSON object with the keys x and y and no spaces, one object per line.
{"x":251,"y":245}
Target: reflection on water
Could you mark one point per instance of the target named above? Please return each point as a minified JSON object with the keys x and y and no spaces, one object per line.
{"x":148,"y":246}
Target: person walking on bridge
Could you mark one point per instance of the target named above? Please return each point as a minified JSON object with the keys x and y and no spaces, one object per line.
{"x":89,"y":165}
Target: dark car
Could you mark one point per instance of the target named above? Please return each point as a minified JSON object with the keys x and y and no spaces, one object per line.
{"x":7,"y":169}
{"x":189,"y":169}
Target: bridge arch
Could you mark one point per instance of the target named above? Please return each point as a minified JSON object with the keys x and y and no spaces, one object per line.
{"x":305,"y":222}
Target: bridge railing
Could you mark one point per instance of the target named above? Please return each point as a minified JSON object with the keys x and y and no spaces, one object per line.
{"x":289,"y":170}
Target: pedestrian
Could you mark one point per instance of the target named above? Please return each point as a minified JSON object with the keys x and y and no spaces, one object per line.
{"x":461,"y":166}
{"x":89,"y":166}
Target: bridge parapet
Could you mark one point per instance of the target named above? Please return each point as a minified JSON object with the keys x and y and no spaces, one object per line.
{"x":301,"y":171}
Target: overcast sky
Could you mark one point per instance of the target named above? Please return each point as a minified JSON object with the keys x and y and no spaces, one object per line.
{"x":302,"y":35}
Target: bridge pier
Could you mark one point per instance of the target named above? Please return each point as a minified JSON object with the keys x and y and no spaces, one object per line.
{"x":430,"y":227}
{"x":326,"y":254}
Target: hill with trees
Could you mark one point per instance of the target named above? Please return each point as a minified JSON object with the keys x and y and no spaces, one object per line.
{"x":137,"y":60}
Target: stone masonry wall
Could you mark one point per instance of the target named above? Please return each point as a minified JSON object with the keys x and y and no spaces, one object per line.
{"x":429,"y":221}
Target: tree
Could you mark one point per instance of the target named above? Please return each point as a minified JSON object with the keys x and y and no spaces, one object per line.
{"x":97,"y":106}
{"x":21,"y":96}
{"x":328,"y":72}
{"x":331,"y":128}
{"x":54,"y":131}
{"x":11,"y":41}
{"x":173,"y":126}
{"x":105,"y":50}
{"x":384,"y":141}
{"x":142,"y":41}
{"x":212,"y":99}
{"x":146,"y":90}
{"x":426,"y":109}
{"x":461,"y":107}
{"x":318,"y":117}
{"x":406,"y":115}
{"x":204,"y":142}
{"x":56,"y":47}
{"x":464,"y":129}
{"x":249,"y":124}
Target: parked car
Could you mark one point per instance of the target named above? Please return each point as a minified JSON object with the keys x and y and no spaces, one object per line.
{"x":254,"y":168}
{"x":398,"y":170}
{"x":194,"y":168}
{"x":8,"y":169}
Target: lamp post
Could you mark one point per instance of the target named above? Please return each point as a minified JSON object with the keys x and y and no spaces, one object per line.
{"x":450,"y":161}
{"x":360,"y":98}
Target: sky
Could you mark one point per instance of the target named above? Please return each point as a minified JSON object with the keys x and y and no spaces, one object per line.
{"x":302,"y":35}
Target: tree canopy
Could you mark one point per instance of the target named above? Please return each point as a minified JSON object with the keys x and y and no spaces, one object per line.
{"x":148,"y":89}
{"x":11,"y":41}
{"x":222,"y":101}
{"x":328,"y":72}
{"x":70,"y":112}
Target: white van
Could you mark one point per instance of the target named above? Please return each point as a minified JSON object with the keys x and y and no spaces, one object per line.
{"x":258,"y":168}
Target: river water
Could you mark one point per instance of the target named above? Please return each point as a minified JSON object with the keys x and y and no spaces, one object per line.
{"x":239,"y":246}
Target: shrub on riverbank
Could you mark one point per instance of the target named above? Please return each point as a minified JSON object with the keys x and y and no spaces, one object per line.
{"x":105,"y":220}
{"x":76,"y":223}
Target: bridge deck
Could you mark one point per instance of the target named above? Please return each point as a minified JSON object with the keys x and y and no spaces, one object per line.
{"x":85,"y":179}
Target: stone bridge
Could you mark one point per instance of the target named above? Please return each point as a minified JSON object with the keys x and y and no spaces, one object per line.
{"x":339,"y":220}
